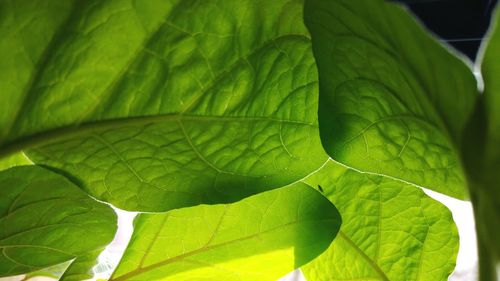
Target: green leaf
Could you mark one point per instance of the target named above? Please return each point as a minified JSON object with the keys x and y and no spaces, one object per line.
{"x":261,"y":238}
{"x":29,"y":33}
{"x":157,"y":105}
{"x":55,"y":271}
{"x":390,"y":230}
{"x":17,"y":159}
{"x":482,"y":156}
{"x":46,"y":220}
{"x":81,"y":267}
{"x":490,"y":68}
{"x":392,"y":100}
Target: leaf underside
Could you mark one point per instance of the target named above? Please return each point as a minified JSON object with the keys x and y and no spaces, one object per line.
{"x":389,"y":93}
{"x":157,"y":105}
{"x":262,"y":237}
{"x":390,"y":230}
{"x":43,"y":217}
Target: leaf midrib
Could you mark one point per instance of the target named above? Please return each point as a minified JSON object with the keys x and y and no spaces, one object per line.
{"x":67,"y":132}
{"x":206,"y":248}
{"x":44,"y":137}
{"x":370,"y":261}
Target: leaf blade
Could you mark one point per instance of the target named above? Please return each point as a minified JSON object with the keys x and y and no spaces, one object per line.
{"x":216,"y":242}
{"x":483,"y":154}
{"x":381,"y":108}
{"x":390,"y":230}
{"x":81,"y":267}
{"x":241,"y":112}
{"x":42,"y":218}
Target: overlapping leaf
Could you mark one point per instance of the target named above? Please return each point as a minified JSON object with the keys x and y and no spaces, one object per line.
{"x":482,"y":156}
{"x":156,"y":105}
{"x":44,"y":219}
{"x":490,"y":149}
{"x":54,"y":272}
{"x":17,"y":159}
{"x":82,"y":267}
{"x":260,"y":238}
{"x":490,"y":68}
{"x":390,"y":230}
{"x":392,"y":100}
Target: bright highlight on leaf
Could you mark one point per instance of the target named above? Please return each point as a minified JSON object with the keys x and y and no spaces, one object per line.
{"x":260,"y":238}
{"x":44,"y":218}
{"x":17,"y":159}
{"x":391,"y":230}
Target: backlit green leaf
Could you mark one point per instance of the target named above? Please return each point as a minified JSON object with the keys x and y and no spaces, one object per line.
{"x":392,"y":100}
{"x":260,"y":238}
{"x":54,"y":272}
{"x":46,"y":220}
{"x":17,"y":159}
{"x":390,"y":230}
{"x":156,"y":105}
{"x":82,"y":267}
{"x":490,"y":150}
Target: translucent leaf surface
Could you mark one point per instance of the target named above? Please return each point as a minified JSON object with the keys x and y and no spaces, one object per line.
{"x":390,"y":230}
{"x":43,"y":218}
{"x":156,"y":105}
{"x":82,"y":267}
{"x":17,"y":159}
{"x":392,"y":100}
{"x":55,"y":272}
{"x":260,"y":238}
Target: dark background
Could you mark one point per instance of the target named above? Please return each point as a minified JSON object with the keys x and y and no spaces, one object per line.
{"x":462,"y":23}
